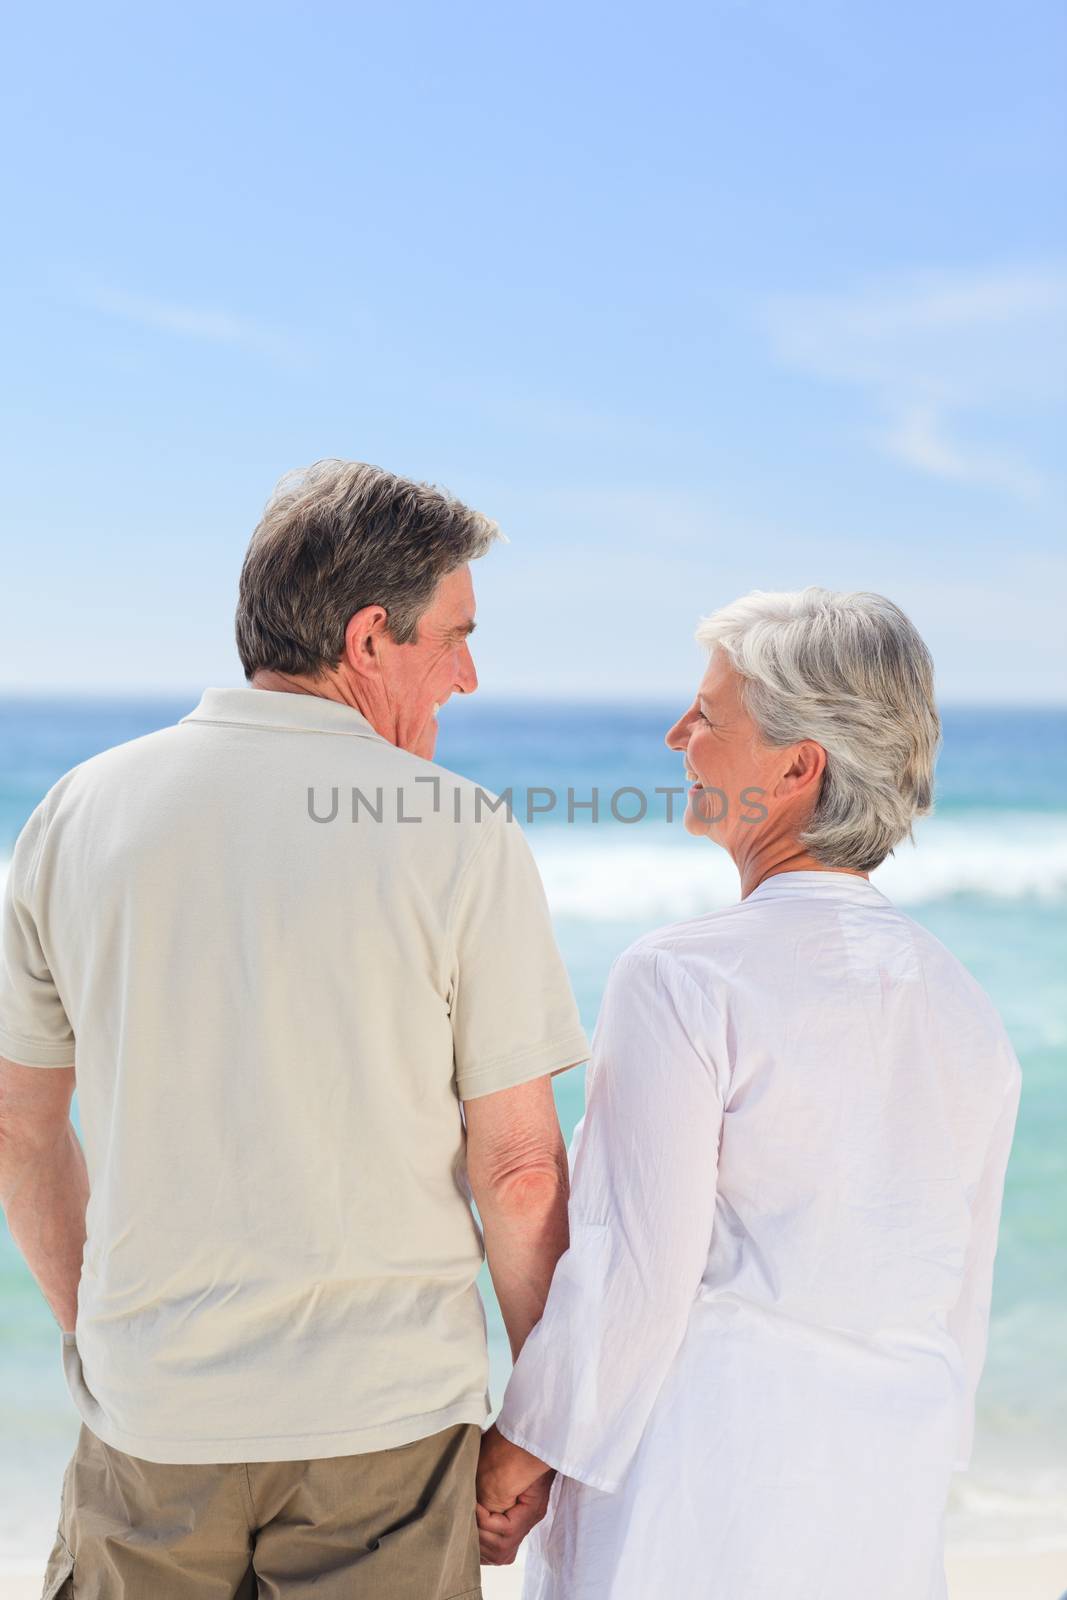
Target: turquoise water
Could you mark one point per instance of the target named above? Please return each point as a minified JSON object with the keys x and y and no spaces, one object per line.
{"x":988,"y":875}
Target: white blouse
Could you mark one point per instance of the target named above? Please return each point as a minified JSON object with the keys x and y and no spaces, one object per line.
{"x":757,"y":1363}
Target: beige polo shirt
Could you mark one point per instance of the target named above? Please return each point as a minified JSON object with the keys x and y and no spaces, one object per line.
{"x":283,"y":951}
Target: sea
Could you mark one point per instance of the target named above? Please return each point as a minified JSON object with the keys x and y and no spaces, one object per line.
{"x":987,"y":873}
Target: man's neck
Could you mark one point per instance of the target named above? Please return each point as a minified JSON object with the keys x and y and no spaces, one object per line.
{"x":329,"y":686}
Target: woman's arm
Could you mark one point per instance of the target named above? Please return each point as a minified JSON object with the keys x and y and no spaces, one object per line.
{"x":969,"y":1320}
{"x":641,"y":1216}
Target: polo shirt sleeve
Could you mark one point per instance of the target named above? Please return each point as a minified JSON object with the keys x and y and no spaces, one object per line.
{"x":514,"y":1016}
{"x":34,"y":1028}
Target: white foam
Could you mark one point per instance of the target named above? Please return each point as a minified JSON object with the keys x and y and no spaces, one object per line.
{"x":618,"y":875}
{"x":1024,"y":1506}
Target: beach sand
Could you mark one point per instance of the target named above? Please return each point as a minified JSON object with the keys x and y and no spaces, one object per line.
{"x":1026,"y":1576}
{"x":970,"y":1577}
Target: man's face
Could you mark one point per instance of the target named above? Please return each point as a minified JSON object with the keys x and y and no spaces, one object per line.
{"x":418,"y":678}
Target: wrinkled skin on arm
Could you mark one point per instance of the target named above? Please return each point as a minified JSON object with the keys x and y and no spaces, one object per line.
{"x":517,"y":1165}
{"x":44,"y":1186}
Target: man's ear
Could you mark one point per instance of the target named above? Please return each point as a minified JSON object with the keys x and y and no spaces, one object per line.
{"x":365,"y":635}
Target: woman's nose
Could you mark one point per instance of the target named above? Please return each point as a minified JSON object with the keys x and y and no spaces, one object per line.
{"x":678,"y":736}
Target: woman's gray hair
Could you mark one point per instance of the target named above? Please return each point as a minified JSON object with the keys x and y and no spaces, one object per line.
{"x":850,"y":672}
{"x":338,"y":536}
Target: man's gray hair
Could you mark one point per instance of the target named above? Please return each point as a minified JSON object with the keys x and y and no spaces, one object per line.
{"x":338,"y":536}
{"x":850,"y":672}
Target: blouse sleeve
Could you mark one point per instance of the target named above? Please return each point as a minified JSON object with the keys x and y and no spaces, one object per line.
{"x":969,"y":1320}
{"x":642,"y":1204}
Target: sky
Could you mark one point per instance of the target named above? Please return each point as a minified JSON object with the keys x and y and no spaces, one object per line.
{"x":691,"y":299}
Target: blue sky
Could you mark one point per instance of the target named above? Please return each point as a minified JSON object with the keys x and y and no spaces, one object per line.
{"x":692,"y":299}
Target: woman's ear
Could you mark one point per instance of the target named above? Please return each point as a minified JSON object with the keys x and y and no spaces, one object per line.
{"x":806,"y":765}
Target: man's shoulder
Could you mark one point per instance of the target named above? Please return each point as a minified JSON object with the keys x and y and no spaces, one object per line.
{"x":115,"y":765}
{"x":473,"y":797}
{"x":86,"y":793}
{"x":390,"y":785}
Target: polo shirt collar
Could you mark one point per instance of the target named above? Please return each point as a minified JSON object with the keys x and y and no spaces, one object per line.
{"x":274,"y":708}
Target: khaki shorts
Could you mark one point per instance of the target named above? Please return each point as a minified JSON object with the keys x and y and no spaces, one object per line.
{"x":391,"y":1525}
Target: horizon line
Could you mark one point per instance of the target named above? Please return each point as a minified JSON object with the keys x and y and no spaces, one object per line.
{"x":485,"y":697}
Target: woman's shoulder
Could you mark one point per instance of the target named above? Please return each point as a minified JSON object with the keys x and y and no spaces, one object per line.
{"x":704,"y":950}
{"x":724,"y":929}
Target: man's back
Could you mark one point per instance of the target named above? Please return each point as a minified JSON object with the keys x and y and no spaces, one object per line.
{"x":274,"y":1007}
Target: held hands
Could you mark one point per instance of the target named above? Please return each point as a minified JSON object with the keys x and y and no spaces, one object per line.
{"x":512,"y":1489}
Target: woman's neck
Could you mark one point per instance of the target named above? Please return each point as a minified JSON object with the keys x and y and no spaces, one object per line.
{"x":786,"y":857}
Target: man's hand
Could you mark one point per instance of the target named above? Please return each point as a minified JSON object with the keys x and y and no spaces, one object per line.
{"x":512,"y":1492}
{"x":500,"y":1533}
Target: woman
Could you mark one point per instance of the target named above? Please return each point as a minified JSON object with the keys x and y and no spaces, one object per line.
{"x":756,"y":1368}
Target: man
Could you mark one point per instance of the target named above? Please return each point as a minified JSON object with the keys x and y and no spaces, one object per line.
{"x":310,"y":985}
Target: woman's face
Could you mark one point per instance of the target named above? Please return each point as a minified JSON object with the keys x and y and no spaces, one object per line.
{"x":739,"y":787}
{"x":716,"y":737}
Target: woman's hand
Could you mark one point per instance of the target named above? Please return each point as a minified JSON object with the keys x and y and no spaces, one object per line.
{"x":501,"y":1533}
{"x":512,"y":1490}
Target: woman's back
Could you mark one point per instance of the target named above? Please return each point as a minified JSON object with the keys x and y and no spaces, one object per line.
{"x":759,"y":1356}
{"x":864,"y":1075}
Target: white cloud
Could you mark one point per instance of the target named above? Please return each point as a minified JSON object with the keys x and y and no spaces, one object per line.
{"x":917,"y":438}
{"x":217,"y":325}
{"x":933,"y":349}
{"x":213,"y":325}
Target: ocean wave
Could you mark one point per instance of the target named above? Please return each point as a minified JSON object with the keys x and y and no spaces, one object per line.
{"x":621,"y":874}
{"x":1022,"y":1506}
{"x":619,"y":877}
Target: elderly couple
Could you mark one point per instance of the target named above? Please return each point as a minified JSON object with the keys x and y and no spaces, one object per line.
{"x":746,"y":1352}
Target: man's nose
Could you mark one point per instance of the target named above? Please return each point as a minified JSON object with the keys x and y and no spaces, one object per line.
{"x":466,"y":675}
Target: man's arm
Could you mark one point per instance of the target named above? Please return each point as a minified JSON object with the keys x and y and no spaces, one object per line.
{"x":517,"y":1166}
{"x":44,"y":1185}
